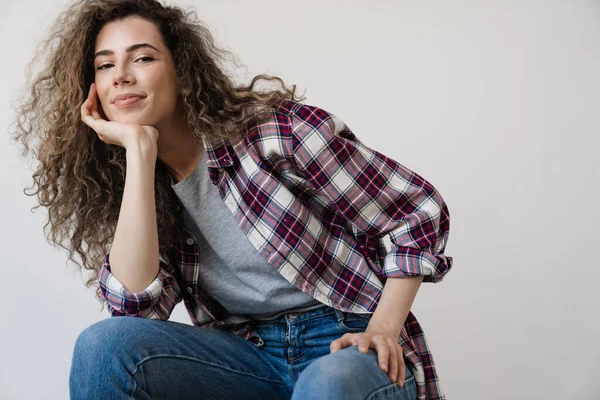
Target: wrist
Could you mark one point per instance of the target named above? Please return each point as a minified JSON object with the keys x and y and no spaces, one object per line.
{"x":385,"y":328}
{"x":141,"y":147}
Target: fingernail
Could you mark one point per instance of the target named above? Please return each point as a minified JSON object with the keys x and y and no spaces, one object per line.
{"x":401,"y":384}
{"x":384,"y":367}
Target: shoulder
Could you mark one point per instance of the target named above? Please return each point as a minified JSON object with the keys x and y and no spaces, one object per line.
{"x":305,"y":116}
{"x":296,"y":109}
{"x":291,"y":123}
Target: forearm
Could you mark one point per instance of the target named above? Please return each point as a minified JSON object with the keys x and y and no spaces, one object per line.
{"x":134,"y":253}
{"x":395,"y":303}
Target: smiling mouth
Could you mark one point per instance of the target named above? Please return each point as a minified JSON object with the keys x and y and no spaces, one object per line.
{"x":123,"y":103}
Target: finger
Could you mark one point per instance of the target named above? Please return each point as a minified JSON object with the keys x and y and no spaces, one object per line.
{"x":93,"y":95}
{"x":393,"y":375}
{"x":85,"y":106}
{"x":95,"y":124}
{"x":94,"y":110}
{"x":402,"y":367}
{"x":86,"y":117}
{"x":363,"y":342}
{"x":383,"y":352}
{"x":85,"y":110}
{"x":334,"y":346}
{"x":89,"y":120}
{"x":340,"y":343}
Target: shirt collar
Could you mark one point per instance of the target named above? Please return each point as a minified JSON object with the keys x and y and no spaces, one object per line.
{"x":219,"y":153}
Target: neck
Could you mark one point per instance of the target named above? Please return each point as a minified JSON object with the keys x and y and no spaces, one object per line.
{"x":178,"y":150}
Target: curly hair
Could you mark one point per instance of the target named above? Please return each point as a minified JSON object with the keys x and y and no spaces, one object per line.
{"x":81,"y":179}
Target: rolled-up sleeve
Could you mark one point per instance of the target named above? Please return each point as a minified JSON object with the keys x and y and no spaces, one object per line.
{"x":154,"y":302}
{"x":377,"y":195}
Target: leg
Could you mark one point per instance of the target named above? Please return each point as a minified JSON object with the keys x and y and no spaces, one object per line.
{"x":350,"y":374}
{"x":127,"y":357}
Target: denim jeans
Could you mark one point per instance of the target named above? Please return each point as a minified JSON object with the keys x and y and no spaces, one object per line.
{"x":129,"y":357}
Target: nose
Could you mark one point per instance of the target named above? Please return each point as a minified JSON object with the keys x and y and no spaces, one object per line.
{"x":122,"y":75}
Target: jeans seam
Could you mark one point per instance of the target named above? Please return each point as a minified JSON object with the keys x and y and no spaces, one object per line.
{"x":202,"y":362}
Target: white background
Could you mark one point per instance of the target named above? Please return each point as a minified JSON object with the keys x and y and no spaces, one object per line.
{"x":496,"y":103}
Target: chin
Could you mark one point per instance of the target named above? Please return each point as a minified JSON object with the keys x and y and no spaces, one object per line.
{"x":133,"y":119}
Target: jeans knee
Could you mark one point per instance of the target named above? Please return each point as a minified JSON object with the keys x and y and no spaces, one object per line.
{"x":102,"y":356}
{"x":97,"y":337}
{"x":110,"y":338}
{"x":337,"y":371}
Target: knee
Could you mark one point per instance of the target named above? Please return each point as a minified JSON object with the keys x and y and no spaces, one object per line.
{"x":103,"y":354}
{"x":104,"y":337}
{"x":343,"y":373}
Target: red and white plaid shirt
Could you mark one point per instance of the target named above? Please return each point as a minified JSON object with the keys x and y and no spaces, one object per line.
{"x":316,"y":203}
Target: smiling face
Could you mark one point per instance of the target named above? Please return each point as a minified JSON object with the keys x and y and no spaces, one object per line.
{"x":131,"y":58}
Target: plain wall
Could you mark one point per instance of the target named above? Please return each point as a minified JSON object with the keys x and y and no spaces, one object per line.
{"x":495,"y":103}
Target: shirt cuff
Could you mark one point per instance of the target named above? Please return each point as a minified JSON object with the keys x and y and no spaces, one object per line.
{"x":122,"y":302}
{"x":408,"y":262}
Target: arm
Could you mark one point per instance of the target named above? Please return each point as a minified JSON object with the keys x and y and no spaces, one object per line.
{"x":395,"y":303}
{"x":134,"y":251}
{"x":156,"y":301}
{"x":376,"y":195}
{"x":133,"y":280}
{"x":140,"y":286}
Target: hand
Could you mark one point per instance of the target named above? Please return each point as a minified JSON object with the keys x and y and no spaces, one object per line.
{"x":389,"y":352}
{"x":112,"y":132}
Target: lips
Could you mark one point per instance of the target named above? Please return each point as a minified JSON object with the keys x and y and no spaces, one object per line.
{"x":127,"y":99}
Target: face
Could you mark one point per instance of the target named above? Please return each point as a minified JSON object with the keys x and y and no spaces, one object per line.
{"x":131,"y":59}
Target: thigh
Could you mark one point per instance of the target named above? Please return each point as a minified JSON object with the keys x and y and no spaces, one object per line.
{"x":164,"y":359}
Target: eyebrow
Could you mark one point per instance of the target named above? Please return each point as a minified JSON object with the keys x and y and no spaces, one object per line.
{"x":129,"y":49}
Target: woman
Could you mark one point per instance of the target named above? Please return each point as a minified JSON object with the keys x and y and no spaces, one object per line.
{"x":265,"y":216}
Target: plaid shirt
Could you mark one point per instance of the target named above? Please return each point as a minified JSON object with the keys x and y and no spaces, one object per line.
{"x":316,"y":203}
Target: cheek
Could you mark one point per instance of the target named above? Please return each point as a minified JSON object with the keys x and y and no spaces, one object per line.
{"x":102,"y":94}
{"x":166,"y":95}
{"x":104,"y":105}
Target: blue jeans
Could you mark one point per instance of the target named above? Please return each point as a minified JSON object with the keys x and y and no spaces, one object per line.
{"x":128,"y":357}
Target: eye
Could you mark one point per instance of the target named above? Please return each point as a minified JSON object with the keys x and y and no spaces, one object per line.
{"x":104,"y":66}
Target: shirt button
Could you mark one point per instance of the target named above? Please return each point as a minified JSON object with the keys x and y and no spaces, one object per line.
{"x":190,"y":241}
{"x":190,"y":290}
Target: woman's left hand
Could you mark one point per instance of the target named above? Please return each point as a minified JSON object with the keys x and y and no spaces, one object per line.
{"x":389,"y":352}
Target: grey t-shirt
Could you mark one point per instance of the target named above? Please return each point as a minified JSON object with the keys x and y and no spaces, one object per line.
{"x":233,"y":272}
